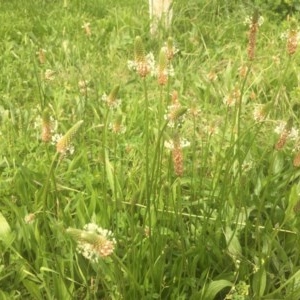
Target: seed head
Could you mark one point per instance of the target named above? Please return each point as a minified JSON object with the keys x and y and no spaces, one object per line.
{"x":296,"y":161}
{"x":93,"y":242}
{"x":292,"y":38}
{"x":140,"y":57}
{"x":139,"y":50}
{"x":175,"y":112}
{"x":261,"y":111}
{"x":284,"y":135}
{"x":87,"y":28}
{"x":30,"y":218}
{"x":112,"y":100}
{"x":177,"y":156}
{"x":42,"y":55}
{"x":117,"y":127}
{"x":64,"y":142}
{"x":171,"y":50}
{"x":252,"y":34}
{"x":143,"y":64}
{"x":46,"y":127}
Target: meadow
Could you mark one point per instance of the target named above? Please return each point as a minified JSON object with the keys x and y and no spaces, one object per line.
{"x":139,"y":166}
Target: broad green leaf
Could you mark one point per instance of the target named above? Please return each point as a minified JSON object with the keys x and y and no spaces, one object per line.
{"x":4,"y":227}
{"x":233,"y":244}
{"x":215,"y":287}
{"x":33,"y":289}
{"x":5,"y":296}
{"x":5,"y":232}
{"x":259,"y":282}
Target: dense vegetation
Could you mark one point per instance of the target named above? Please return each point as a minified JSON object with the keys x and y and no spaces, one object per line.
{"x":127,"y":178}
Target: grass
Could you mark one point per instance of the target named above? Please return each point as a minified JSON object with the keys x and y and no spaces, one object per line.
{"x":218,"y":219}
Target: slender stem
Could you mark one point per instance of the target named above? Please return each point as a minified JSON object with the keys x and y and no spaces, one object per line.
{"x":116,"y":196}
{"x":160,"y":107}
{"x":193,"y":185}
{"x":45,"y":190}
{"x":147,"y":178}
{"x":156,"y":164}
{"x":237,"y":149}
{"x":147,"y":187}
{"x":104,"y":154}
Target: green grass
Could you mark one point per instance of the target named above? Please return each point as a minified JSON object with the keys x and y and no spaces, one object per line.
{"x":227,"y":228}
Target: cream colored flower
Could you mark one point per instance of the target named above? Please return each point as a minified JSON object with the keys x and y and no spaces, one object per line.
{"x":49,"y":75}
{"x":93,"y":242}
{"x":29,"y":219}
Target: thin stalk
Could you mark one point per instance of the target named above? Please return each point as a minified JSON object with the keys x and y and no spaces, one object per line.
{"x":160,"y":107}
{"x":282,"y":80}
{"x":104,"y":155}
{"x":156,"y":164}
{"x":237,"y":149}
{"x":147,"y":182}
{"x":193,"y":185}
{"x":45,"y":191}
{"x":117,"y":201}
{"x":40,"y":89}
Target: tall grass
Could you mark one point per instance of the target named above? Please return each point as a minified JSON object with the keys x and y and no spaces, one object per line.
{"x":194,"y":176}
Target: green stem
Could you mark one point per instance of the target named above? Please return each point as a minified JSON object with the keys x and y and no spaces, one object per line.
{"x":194,"y":157}
{"x":45,"y":190}
{"x":237,"y":149}
{"x":116,"y":196}
{"x":104,"y":155}
{"x":281,"y":81}
{"x":156,"y":164}
{"x":147,"y":187}
{"x":148,"y":183}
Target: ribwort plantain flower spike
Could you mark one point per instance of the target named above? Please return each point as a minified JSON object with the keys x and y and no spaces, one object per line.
{"x":112,"y":100}
{"x":143,"y":64}
{"x":46,"y":127}
{"x":175,"y":112}
{"x":296,"y":161}
{"x":30,"y":218}
{"x":261,"y":111}
{"x":42,"y":55}
{"x":140,"y":57}
{"x":64,"y":142}
{"x":139,"y":50}
{"x":252,"y":35}
{"x":284,"y":135}
{"x":171,"y":50}
{"x":292,"y":38}
{"x":117,"y":127}
{"x":87,"y":28}
{"x":177,"y":156}
{"x":93,"y":242}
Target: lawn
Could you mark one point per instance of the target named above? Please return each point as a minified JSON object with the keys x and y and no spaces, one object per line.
{"x":139,"y":166}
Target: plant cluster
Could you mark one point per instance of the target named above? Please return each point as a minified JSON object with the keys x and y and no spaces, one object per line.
{"x":140,"y":167}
